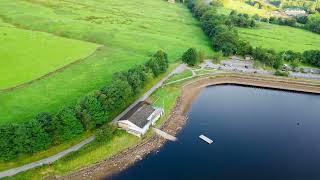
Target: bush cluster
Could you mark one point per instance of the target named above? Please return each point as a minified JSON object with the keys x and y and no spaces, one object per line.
{"x":241,"y":20}
{"x":281,"y":73}
{"x":310,"y":23}
{"x":92,"y":112}
{"x":191,"y":57}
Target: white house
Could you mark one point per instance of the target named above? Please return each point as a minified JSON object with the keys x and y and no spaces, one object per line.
{"x":295,"y":12}
{"x":139,"y":119}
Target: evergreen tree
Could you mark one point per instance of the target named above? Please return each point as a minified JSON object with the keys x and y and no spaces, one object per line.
{"x":66,"y":125}
{"x":91,"y":112}
{"x":7,"y":146}
{"x":190,"y":57}
{"x":36,"y":136}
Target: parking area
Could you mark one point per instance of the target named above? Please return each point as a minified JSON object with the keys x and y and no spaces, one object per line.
{"x":236,"y":64}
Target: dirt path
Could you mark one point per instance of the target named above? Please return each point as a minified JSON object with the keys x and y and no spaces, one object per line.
{"x":177,"y":120}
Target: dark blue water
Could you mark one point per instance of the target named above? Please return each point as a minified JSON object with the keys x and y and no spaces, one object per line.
{"x":258,"y":133}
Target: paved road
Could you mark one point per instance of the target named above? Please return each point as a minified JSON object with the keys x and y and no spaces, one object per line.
{"x":48,"y":160}
{"x":54,"y":158}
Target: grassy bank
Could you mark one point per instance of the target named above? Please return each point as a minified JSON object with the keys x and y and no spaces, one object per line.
{"x":129,"y":31}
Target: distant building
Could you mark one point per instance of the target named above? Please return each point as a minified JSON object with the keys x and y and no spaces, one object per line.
{"x":139,"y":119}
{"x":295,"y":12}
{"x":279,"y":14}
{"x":171,"y":1}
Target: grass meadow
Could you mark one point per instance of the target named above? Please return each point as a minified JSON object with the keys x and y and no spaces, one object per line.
{"x":27,"y":55}
{"x":280,"y":38}
{"x":128,"y":31}
{"x":185,"y":74}
{"x":242,"y":7}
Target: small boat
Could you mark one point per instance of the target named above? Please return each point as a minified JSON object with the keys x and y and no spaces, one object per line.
{"x":206,"y":139}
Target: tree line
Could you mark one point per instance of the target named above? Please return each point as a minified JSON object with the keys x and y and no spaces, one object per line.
{"x":220,"y":29}
{"x":241,"y":20}
{"x":310,"y":23}
{"x":91,"y":112}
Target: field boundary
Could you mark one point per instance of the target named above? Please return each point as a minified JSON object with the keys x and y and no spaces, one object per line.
{"x":61,"y":69}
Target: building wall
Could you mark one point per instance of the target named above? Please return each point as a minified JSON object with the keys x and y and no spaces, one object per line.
{"x":131,"y":128}
{"x":137,"y":131}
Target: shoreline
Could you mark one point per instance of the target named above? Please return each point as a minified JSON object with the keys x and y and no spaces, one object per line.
{"x":177,"y":119}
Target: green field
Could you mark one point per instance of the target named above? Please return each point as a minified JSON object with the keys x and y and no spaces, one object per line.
{"x":280,"y":38}
{"x":242,"y":7}
{"x":129,"y":32}
{"x":27,"y":55}
{"x":185,"y":74}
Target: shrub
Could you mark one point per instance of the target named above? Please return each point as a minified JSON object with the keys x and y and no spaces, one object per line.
{"x":116,"y":95}
{"x":158,"y":63}
{"x":312,"y":57}
{"x":217,"y":57}
{"x":202,"y":55}
{"x":281,"y":73}
{"x":105,"y":133}
{"x":190,"y":57}
{"x":91,"y":113}
{"x":7,"y":138}
{"x":66,"y":125}
{"x":313,"y":23}
{"x":226,"y":41}
{"x":244,"y":48}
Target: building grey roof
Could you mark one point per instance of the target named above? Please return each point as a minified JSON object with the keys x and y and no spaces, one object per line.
{"x":139,"y":114}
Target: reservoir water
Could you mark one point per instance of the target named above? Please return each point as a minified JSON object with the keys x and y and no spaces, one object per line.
{"x":258,"y":134}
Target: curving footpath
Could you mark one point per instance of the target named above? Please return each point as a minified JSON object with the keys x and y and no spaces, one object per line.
{"x":46,"y":161}
{"x":54,"y":158}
